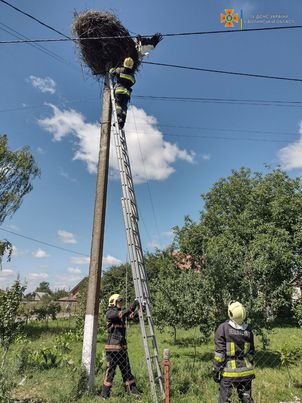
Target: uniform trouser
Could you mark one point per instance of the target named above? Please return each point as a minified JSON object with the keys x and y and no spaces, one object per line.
{"x":121,"y":103}
{"x":243,"y":386}
{"x":120,"y":359}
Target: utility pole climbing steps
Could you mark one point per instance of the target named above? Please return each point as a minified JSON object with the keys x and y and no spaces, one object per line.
{"x":136,"y":257}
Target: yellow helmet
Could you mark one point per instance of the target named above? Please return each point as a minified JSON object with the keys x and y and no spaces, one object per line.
{"x":237,"y":312}
{"x":114,"y":298}
{"x":128,"y":62}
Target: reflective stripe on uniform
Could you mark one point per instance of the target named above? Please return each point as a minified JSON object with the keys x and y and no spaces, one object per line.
{"x":114,"y":347}
{"x":230,"y":346}
{"x":233,"y":364}
{"x":247,"y":347}
{"x":128,"y":77}
{"x":219,"y":358}
{"x":128,"y":383}
{"x":237,"y":374}
{"x":122,"y":91}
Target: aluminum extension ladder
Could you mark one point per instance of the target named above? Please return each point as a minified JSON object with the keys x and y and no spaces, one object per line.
{"x":136,"y":257}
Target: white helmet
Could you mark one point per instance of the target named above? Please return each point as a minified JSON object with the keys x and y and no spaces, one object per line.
{"x":236,"y":312}
{"x":114,"y":298}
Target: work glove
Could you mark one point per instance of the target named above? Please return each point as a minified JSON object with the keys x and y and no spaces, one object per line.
{"x":216,"y":375}
{"x":134,"y":305}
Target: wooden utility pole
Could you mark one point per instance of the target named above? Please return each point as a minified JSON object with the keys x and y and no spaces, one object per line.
{"x":97,"y":242}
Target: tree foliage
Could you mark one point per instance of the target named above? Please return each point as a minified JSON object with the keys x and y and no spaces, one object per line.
{"x":44,"y":287}
{"x":17,"y":171}
{"x":250,"y":237}
{"x":10,"y":322}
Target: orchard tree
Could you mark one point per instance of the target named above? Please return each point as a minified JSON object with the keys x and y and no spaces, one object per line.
{"x":250,"y":236}
{"x":44,"y":287}
{"x":17,"y":171}
{"x":10,"y":321}
{"x":180,"y":297}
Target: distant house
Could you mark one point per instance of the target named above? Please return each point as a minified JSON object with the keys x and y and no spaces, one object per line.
{"x":296,"y":285}
{"x":76,"y":289}
{"x":39,"y":295}
{"x":186,"y":262}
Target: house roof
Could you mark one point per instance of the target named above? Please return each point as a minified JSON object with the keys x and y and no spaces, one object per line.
{"x":78,"y":286}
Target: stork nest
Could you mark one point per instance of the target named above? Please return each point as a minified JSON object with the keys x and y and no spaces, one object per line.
{"x":102,"y":54}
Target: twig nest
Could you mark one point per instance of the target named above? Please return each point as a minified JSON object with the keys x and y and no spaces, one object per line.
{"x":102,"y":54}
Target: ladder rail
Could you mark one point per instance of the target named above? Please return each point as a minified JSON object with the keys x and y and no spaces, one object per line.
{"x":131,"y":217}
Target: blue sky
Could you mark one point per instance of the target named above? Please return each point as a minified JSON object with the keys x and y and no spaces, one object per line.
{"x":178,"y":149}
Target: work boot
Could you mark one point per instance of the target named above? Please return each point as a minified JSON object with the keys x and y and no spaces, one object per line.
{"x":134,"y":392}
{"x":105,"y":393}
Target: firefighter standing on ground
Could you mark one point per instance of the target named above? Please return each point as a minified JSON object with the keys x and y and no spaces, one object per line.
{"x":116,"y":346}
{"x":234,"y":351}
{"x":122,"y":90}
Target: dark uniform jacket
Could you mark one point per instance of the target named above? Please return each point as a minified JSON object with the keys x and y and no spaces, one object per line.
{"x":116,"y":328}
{"x":234,"y":351}
{"x":124,"y":80}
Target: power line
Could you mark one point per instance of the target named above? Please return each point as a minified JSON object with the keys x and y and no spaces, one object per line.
{"x":44,"y":243}
{"x":231,"y":101}
{"x":68,"y":39}
{"x":35,"y":19}
{"x":236,"y":101}
{"x":224,"y":72}
{"x":17,"y":34}
{"x":227,"y":138}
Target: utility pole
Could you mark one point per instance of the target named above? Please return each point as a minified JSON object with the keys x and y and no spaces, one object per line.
{"x":95,"y":267}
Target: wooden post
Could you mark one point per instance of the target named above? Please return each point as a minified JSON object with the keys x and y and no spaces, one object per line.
{"x":95,"y":267}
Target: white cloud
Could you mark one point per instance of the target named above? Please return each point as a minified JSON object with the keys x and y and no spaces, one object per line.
{"x":7,"y":273}
{"x":168,"y":234}
{"x":37,"y":276}
{"x":40,"y":253}
{"x":291,"y":155}
{"x":107,"y":260}
{"x":67,"y":281}
{"x":46,"y":84}
{"x":80,"y":260}
{"x":7,"y":278}
{"x":206,"y":157}
{"x":151,"y":156}
{"x":154,"y":244}
{"x":40,"y":150}
{"x":66,"y":175}
{"x":74,"y":270}
{"x":111,"y":261}
{"x":66,"y":237}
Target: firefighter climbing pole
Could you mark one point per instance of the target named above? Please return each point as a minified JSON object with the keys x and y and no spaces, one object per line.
{"x":142,"y":293}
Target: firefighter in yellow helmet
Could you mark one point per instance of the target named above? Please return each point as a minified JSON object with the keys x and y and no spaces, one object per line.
{"x":116,"y":346}
{"x":125,"y":79}
{"x":234,"y":354}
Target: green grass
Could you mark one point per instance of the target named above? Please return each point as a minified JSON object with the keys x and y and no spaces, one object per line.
{"x":190,"y":367}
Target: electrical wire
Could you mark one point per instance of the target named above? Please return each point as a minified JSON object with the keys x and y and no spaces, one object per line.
{"x":148,"y":184}
{"x":44,"y":243}
{"x":35,"y":19}
{"x":176,"y":66}
{"x":231,"y":101}
{"x":41,"y":48}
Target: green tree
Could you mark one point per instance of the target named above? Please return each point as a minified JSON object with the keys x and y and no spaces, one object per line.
{"x":10,"y":321}
{"x":44,"y":287}
{"x":117,"y":280}
{"x":249,"y":235}
{"x":17,"y":171}
{"x":180,"y":297}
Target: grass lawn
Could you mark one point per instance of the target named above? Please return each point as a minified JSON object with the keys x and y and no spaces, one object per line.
{"x":190,"y":367}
